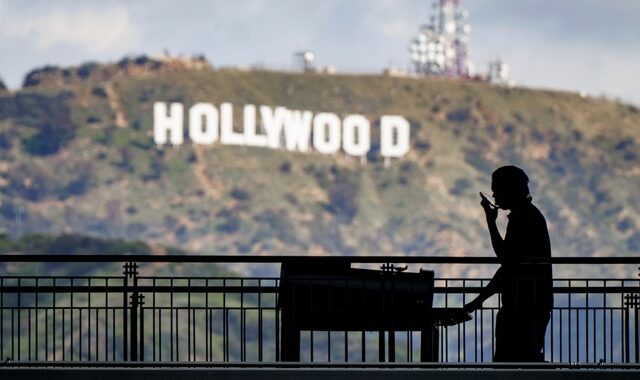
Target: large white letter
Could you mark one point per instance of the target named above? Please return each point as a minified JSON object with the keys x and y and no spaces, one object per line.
{"x":250,"y":136}
{"x":203,"y":123}
{"x":273,"y":123}
{"x":227,"y":135}
{"x":326,"y":140}
{"x":356,"y":127}
{"x":172,"y":123}
{"x":297,"y":128}
{"x":390,"y":126}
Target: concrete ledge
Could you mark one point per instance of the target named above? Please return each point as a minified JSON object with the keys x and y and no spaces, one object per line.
{"x":309,"y":374}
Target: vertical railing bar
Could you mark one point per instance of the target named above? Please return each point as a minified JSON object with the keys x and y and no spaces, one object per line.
{"x":193,"y":331}
{"x":160,"y":331}
{"x":19,"y":318}
{"x":141,"y":329}
{"x":171,"y":338}
{"x":210,"y":332}
{"x":311,"y":344}
{"x":1,"y":318}
{"x":46,"y":334}
{"x":36,"y":311}
{"x":621,"y":310}
{"x":277,"y":322}
{"x":189,"y":321}
{"x":561,"y":335}
{"x":482,"y":328}
{"x":225,"y":323}
{"x":604,"y":321}
{"x":586,"y":324}
{"x":259,"y":321}
{"x":97,"y":335}
{"x":125,"y":321}
{"x":636,"y":299}
{"x":113,"y":334}
{"x":329,"y":332}
{"x":177,"y":329}
{"x":551,"y":334}
{"x":625,"y":320}
{"x":88,"y":319}
{"x":207,"y":337}
{"x":153,"y":319}
{"x":446,"y":330}
{"x":62,"y":338}
{"x":346,"y":333}
{"x":79,"y":333}
{"x":464,"y":325}
{"x":243,"y":324}
{"x":106,"y":320}
{"x":593,"y":334}
{"x":569,"y":322}
{"x":29,"y":333}
{"x":459,"y":346}
{"x":475,"y":332}
{"x":611,"y":335}
{"x":363,"y":337}
{"x":210,"y":329}
{"x":13,"y":333}
{"x":363,"y":353}
{"x":53,"y":302}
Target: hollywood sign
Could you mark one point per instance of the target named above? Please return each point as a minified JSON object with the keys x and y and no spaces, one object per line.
{"x":279,"y":128}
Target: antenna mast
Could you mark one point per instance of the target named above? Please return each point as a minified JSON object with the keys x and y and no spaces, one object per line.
{"x":440,"y":47}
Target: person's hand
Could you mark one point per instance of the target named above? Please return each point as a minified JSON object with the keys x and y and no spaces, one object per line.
{"x":490,"y":211}
{"x":473,"y":306}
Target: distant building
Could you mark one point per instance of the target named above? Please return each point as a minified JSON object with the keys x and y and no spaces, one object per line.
{"x":498,"y":73}
{"x":394,"y":72}
{"x":304,"y":61}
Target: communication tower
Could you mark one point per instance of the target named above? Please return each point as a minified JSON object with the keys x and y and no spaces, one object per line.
{"x":440,"y":47}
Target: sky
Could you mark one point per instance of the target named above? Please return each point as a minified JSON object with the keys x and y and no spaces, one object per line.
{"x":575,"y":45}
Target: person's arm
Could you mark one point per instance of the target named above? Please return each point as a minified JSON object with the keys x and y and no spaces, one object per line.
{"x":492,"y":288}
{"x":496,"y":240}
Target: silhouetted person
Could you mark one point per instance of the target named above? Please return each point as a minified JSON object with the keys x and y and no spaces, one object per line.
{"x":527,"y":289}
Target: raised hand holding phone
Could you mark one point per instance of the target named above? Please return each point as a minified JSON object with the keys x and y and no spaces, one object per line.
{"x":490,"y":209}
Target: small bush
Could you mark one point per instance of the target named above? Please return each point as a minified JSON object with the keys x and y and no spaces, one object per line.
{"x":99,"y":92}
{"x":459,"y":116}
{"x":285,"y":167}
{"x":231,"y":222}
{"x":240,"y":195}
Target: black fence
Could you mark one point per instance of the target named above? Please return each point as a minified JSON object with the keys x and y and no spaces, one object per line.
{"x":138,"y":315}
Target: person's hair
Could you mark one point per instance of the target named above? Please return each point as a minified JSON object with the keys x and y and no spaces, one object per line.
{"x":512,"y":179}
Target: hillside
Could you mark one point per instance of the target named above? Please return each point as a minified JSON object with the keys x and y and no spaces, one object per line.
{"x":77,"y":155}
{"x":74,"y":244}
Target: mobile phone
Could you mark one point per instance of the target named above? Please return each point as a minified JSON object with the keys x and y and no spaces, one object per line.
{"x":487,"y":197}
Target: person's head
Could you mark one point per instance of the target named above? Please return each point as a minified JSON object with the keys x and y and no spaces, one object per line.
{"x":510,"y":186}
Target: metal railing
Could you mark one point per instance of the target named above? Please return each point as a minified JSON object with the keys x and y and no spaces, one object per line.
{"x":140,"y":316}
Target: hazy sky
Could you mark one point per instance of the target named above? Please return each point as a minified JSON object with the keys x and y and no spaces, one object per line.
{"x":578,"y":45}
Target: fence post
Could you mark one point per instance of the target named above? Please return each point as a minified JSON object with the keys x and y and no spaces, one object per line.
{"x":131,"y":332}
{"x":632,"y":302}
